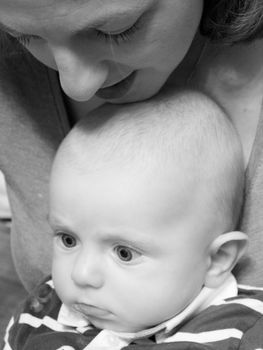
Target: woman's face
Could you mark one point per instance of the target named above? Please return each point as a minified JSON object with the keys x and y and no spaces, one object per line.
{"x":119,"y":50}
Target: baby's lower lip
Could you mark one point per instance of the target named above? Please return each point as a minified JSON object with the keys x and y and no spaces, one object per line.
{"x":90,"y":310}
{"x":117,"y":90}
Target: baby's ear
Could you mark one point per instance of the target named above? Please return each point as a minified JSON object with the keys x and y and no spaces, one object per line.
{"x":225,"y":251}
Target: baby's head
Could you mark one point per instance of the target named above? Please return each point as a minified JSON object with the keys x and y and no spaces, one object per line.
{"x":143,"y":199}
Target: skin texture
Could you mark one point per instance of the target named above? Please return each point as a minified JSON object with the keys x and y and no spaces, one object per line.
{"x":232,"y":76}
{"x":99,"y":217}
{"x":132,"y":229}
{"x":86,"y":61}
{"x":95,"y":44}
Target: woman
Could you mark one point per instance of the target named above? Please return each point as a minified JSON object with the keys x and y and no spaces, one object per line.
{"x":117,"y":51}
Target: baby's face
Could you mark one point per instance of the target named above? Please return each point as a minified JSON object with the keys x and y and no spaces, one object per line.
{"x":130,"y":246}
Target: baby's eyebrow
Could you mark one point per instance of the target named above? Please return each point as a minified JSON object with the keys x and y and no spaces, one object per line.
{"x":48,"y":217}
{"x":129,"y":237}
{"x":51,"y":220}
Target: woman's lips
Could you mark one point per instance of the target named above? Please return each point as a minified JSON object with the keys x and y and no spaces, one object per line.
{"x":117,"y":90}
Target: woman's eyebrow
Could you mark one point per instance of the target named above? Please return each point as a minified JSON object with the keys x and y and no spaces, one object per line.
{"x":100,"y":22}
{"x":137,"y":8}
{"x":9,"y":30}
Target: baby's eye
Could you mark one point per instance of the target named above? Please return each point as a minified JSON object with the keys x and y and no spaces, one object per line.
{"x":126,"y":254}
{"x":67,"y":240}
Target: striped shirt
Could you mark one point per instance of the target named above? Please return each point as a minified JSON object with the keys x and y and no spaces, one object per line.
{"x":235,"y":322}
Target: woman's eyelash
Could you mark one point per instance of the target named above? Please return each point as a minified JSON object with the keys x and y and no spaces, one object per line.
{"x":119,"y":37}
{"x":25,"y":39}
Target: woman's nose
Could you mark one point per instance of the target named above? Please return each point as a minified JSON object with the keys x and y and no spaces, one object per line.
{"x":80,"y":75}
{"x":87,"y":271}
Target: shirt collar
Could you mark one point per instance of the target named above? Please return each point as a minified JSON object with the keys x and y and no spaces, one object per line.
{"x":207,"y":297}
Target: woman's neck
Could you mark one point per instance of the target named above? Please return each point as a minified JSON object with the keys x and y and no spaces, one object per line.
{"x":186,"y":69}
{"x":232,"y":76}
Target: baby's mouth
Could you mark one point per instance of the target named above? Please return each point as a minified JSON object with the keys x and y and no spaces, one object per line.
{"x":117,"y":90}
{"x":90,"y":310}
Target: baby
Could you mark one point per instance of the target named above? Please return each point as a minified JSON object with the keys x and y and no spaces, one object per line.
{"x":144,"y":202}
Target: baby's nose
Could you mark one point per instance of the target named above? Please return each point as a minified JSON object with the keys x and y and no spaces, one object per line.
{"x":88,"y":271}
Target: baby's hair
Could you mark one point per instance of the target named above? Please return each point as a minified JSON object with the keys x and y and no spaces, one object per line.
{"x":185,"y":131}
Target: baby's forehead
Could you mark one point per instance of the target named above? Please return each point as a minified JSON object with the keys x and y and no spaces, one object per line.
{"x":74,"y":161}
{"x":138,"y":135}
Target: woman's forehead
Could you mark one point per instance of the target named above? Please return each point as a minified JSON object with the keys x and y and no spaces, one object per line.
{"x":61,"y":5}
{"x":27,"y":13}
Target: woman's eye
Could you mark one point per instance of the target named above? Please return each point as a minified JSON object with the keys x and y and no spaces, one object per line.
{"x":118,"y":38}
{"x":67,"y":240}
{"x":126,"y":254}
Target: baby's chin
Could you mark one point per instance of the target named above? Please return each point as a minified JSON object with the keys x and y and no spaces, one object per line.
{"x":117,"y":326}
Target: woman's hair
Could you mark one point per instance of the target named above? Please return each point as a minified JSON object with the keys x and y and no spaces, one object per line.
{"x":232,"y":21}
